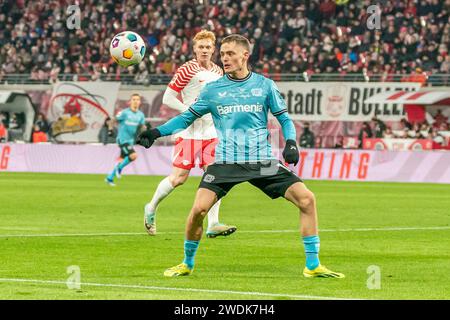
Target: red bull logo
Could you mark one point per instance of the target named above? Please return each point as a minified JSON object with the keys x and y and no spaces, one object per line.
{"x":75,"y":112}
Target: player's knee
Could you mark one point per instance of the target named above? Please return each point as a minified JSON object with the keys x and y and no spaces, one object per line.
{"x":132,"y":156}
{"x":307,"y":200}
{"x":199,"y":210}
{"x":178,"y":180}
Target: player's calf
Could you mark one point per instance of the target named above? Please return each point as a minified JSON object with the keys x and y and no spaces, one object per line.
{"x":178,"y":179}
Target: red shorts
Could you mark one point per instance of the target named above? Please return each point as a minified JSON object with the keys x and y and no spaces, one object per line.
{"x":187,"y":150}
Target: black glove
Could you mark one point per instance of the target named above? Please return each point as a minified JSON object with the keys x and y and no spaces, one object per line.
{"x":290,"y":152}
{"x":148,"y":137}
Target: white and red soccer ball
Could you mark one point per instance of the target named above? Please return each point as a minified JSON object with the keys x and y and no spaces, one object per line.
{"x":127,"y":48}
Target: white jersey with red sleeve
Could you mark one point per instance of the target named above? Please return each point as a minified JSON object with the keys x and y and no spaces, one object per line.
{"x":189,"y":80}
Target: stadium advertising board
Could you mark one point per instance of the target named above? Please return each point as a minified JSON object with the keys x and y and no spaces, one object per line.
{"x":78,"y":110}
{"x":4,"y":156}
{"x":341,"y":101}
{"x":320,"y":164}
{"x":398,"y":144}
{"x":306,"y":101}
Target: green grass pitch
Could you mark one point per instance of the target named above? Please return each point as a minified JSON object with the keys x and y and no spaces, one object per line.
{"x":52,"y":221}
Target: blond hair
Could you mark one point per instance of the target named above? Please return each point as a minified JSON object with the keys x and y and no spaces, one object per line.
{"x":205,"y":34}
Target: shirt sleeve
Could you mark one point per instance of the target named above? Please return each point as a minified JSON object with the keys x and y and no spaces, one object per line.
{"x":275,"y":101}
{"x":277,"y":106}
{"x":121,"y":115}
{"x":185,"y":119}
{"x":170,"y":99}
{"x":182,"y":76}
{"x":202,"y":105}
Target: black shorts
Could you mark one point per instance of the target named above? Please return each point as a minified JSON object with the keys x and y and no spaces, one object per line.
{"x":125,"y":150}
{"x":273,"y":178}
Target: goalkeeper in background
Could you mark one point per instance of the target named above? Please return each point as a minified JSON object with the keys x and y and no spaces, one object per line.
{"x":239,"y":103}
{"x":131,"y":121}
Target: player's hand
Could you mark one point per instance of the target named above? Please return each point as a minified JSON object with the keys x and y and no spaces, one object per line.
{"x":290,"y":152}
{"x":148,"y":137}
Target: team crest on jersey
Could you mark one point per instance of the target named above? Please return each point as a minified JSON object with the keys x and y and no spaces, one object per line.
{"x":209,"y":178}
{"x":257,"y":92}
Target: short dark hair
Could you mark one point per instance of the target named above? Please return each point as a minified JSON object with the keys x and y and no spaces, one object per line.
{"x":241,"y":40}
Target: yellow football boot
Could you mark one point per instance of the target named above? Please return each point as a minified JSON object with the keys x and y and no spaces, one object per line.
{"x":322,"y":272}
{"x":179,"y":270}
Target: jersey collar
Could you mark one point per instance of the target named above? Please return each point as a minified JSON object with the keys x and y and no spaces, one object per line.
{"x":240,"y":80}
{"x":210,"y":69}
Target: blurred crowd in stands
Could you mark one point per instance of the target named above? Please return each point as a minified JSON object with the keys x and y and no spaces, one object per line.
{"x":297,"y":37}
{"x":294,"y":37}
{"x":12,"y":129}
{"x":438,"y":132}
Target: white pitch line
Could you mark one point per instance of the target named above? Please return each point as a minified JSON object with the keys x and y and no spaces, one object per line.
{"x":106,"y":234}
{"x":245,"y":293}
{"x":109,"y":234}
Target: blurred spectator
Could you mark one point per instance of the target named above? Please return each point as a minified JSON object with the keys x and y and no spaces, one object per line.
{"x":438,"y":139}
{"x":4,"y":118}
{"x":38,"y":135}
{"x":3,"y":132}
{"x":42,"y":122}
{"x":318,"y":143}
{"x":439,"y":118}
{"x":388,"y":134}
{"x":108,"y":132}
{"x":318,"y":35}
{"x":13,"y":122}
{"x":418,"y":76}
{"x":418,"y":135}
{"x":15,"y":126}
{"x":424,"y":126}
{"x":406,"y":124}
{"x":416,"y":127}
{"x":142,"y":76}
{"x":405,"y":134}
{"x":444,"y":126}
{"x":365,"y":132}
{"x":307,"y":137}
{"x":339,"y":143}
{"x":378,"y":127}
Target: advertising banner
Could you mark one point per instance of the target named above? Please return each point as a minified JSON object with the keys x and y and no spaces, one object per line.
{"x":320,"y":164}
{"x":341,"y":101}
{"x":398,"y":144}
{"x":78,"y":110}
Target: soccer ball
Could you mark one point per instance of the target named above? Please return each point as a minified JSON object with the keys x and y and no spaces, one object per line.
{"x":127,"y":48}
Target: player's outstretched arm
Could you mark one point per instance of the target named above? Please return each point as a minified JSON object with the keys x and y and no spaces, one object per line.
{"x":179,"y":123}
{"x":290,"y":152}
{"x":279,"y":110}
{"x":170,"y":99}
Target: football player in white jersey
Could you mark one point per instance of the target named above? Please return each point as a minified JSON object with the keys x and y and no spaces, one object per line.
{"x":198,"y":140}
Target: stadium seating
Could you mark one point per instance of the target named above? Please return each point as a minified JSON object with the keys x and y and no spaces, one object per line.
{"x":303,"y":36}
{"x":299,"y":39}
